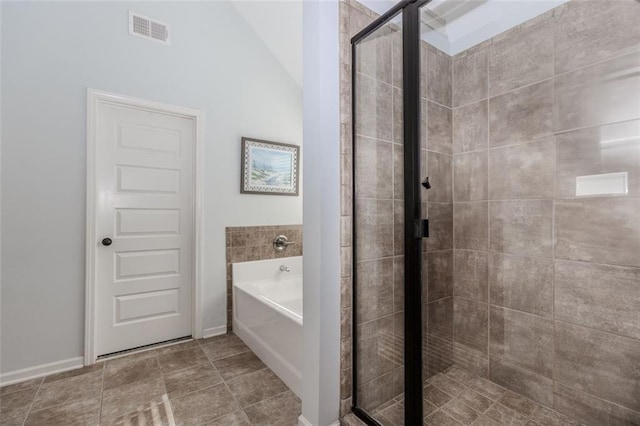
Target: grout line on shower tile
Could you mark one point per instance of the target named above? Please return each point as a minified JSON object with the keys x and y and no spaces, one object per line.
{"x":553,"y":228}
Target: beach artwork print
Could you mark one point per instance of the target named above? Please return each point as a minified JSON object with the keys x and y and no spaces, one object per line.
{"x":269,"y":167}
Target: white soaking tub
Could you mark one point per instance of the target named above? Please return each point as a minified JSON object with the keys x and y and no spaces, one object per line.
{"x":267,"y":314}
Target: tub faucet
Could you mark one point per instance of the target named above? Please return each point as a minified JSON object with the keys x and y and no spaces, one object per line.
{"x":285,"y":268}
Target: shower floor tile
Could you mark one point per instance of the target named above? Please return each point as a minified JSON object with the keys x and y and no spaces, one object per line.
{"x":457,"y":397}
{"x":174,"y":385}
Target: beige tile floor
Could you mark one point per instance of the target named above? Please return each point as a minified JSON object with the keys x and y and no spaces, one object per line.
{"x":457,"y":397}
{"x":217,"y":381}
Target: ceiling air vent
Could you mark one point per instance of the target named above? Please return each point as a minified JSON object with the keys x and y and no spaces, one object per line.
{"x":150,"y":29}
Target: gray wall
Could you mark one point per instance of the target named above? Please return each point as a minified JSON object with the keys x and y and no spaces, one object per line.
{"x":52,"y":52}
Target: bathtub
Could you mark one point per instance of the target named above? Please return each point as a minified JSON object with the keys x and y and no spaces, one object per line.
{"x":267,"y":314}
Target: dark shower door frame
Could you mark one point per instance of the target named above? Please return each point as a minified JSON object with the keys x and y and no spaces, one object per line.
{"x":415,"y":228}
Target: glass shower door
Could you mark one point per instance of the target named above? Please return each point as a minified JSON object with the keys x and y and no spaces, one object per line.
{"x":378,"y":289}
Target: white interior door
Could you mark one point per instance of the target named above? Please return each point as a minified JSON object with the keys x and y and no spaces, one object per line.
{"x":144,"y":226}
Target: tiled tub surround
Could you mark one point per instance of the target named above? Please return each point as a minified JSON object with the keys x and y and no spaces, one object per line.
{"x":249,"y":243}
{"x":216,"y":381}
{"x":542,"y":290}
{"x":546,"y":285}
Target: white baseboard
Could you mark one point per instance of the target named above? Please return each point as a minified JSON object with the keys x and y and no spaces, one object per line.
{"x":41,"y":370}
{"x":214,"y":331}
{"x":302,"y":421}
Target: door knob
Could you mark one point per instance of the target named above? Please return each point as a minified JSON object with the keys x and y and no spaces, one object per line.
{"x":106,"y":241}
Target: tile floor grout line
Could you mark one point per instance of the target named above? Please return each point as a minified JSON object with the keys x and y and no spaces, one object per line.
{"x":101,"y":393}
{"x":24,"y":421}
{"x":226,"y":385}
{"x":216,"y":384}
{"x":225,"y":357}
{"x":186,"y":368}
{"x":271,"y":397}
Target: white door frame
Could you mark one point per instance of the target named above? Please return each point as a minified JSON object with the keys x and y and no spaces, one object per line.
{"x":94,"y":99}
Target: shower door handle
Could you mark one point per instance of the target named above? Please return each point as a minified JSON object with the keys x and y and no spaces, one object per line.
{"x":422,"y":228}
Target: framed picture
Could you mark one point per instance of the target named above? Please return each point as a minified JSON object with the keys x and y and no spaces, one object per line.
{"x":269,"y":167}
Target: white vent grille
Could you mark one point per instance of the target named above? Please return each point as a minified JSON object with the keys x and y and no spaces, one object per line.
{"x":150,"y":29}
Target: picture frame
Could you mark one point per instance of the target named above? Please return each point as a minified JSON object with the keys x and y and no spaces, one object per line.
{"x":269,"y":168}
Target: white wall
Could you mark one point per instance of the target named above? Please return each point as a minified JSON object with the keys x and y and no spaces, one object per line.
{"x":285,"y":41}
{"x":51,"y":53}
{"x":321,"y":371}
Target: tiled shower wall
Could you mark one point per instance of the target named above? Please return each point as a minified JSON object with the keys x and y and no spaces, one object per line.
{"x":547,"y":284}
{"x":541,"y":291}
{"x":247,"y":243}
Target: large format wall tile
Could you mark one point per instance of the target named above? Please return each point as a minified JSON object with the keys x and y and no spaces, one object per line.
{"x":396,"y":57}
{"x":374,"y":53}
{"x":439,"y":133}
{"x":398,"y":172}
{"x":591,"y":410}
{"x":470,"y":274}
{"x":398,"y":283}
{"x":398,"y":227}
{"x":601,"y":364}
{"x":440,"y":227}
{"x":471,"y":127}
{"x":374,"y":168}
{"x":398,"y":116}
{"x":424,"y":172}
{"x":600,"y":94}
{"x":522,"y":171}
{"x":424,"y":57}
{"x":470,"y":176}
{"x":437,"y":339}
{"x":470,"y":223}
{"x":534,"y":386}
{"x":522,"y":283}
{"x":375,"y":346}
{"x":598,"y":296}
{"x":521,"y":57}
{"x":470,"y":320}
{"x":470,"y":77}
{"x":590,"y":31}
{"x":376,"y":392}
{"x":374,"y":108}
{"x":357,"y":21}
{"x":374,"y":287}
{"x":374,"y":227}
{"x":438,"y":76}
{"x":440,"y":275}
{"x":424,"y":113}
{"x":471,"y":360}
{"x":438,"y":353}
{"x":521,"y":227}
{"x":440,"y":174}
{"x":601,"y":230}
{"x":607,"y":149}
{"x":522,"y":115}
{"x":522,"y":339}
